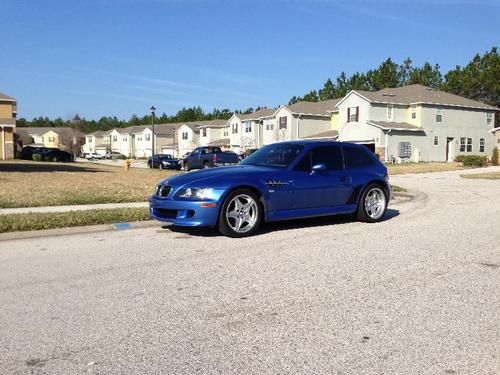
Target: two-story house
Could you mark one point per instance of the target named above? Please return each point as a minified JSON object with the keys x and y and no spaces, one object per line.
{"x":97,"y":142}
{"x":64,"y":138}
{"x":214,"y":133}
{"x":303,"y":120}
{"x":187,"y":137}
{"x":8,"y":113}
{"x":253,"y":131}
{"x":416,"y":123}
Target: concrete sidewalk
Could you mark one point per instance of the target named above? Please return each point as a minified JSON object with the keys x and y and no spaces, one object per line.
{"x":84,"y":207}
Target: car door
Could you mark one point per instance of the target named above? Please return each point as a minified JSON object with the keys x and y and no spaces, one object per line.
{"x":194,"y":158}
{"x":330,"y":187}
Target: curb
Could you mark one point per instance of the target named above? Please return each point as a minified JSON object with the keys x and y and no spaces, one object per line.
{"x":10,"y":236}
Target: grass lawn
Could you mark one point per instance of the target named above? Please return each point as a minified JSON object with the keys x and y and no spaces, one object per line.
{"x":34,"y":184}
{"x":422,"y":167}
{"x":38,"y":221}
{"x":483,"y":176}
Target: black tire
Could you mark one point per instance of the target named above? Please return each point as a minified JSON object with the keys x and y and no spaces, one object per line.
{"x":373,"y":204}
{"x":226,"y":224}
{"x":205,"y":164}
{"x":160,"y":166}
{"x":187,"y":166}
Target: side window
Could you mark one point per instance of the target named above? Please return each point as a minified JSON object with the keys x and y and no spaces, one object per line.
{"x":304,"y":165}
{"x":357,"y":157}
{"x":331,"y":156}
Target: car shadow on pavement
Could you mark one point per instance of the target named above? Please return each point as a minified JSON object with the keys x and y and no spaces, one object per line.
{"x":29,"y":167}
{"x":280,"y":225}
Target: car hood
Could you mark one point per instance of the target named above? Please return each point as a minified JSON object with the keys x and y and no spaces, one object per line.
{"x":219,"y":176}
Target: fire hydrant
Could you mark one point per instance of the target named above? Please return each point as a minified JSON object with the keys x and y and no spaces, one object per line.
{"x":127,"y":165}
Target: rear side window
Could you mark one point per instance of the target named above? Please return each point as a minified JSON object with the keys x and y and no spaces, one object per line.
{"x":331,"y":156}
{"x":357,"y":157}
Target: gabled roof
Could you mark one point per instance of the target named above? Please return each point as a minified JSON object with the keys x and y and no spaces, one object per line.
{"x":209,"y":124}
{"x":6,"y":98}
{"x":261,"y":113}
{"x":38,"y":131}
{"x":389,"y":125}
{"x":330,"y":134}
{"x":323,"y":108}
{"x":220,"y":142}
{"x":419,"y":94}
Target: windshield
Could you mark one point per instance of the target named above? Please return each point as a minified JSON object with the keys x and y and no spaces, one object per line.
{"x":279,"y":155}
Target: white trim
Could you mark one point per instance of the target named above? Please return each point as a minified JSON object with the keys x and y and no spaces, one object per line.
{"x":349,"y":94}
{"x":3,"y":143}
{"x":404,"y":129}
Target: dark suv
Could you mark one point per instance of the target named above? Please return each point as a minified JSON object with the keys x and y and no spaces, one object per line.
{"x":47,"y":154}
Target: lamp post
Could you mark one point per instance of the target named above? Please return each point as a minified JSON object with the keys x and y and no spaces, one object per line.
{"x":153,"y":109}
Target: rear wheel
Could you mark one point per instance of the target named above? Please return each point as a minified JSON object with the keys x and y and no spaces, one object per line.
{"x":205,"y":164}
{"x":186,"y":166}
{"x":373,"y":204}
{"x":241,"y":214}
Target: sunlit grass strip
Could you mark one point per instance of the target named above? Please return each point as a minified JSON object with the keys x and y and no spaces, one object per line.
{"x":483,"y":176}
{"x":38,"y":221}
{"x":398,"y":189}
{"x":422,"y":167}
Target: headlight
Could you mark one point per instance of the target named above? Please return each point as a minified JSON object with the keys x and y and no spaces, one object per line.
{"x":195,"y":193}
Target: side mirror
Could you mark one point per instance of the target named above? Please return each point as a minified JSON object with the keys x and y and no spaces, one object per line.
{"x":318,"y":168}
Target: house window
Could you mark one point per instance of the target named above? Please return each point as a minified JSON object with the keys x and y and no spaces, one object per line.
{"x":204,"y":132}
{"x":124,"y":139}
{"x":184,"y":135}
{"x":226,"y":132}
{"x":235,"y":128}
{"x":439,"y":114}
{"x":413,"y":111}
{"x":436,"y":140}
{"x":43,"y":140}
{"x":89,"y":139}
{"x":283,"y":121}
{"x":51,"y":139}
{"x":353,"y":114}
{"x":269,"y":126}
{"x":147,"y":137}
{"x":115,"y":138}
{"x":469,"y":144}
{"x":139,"y":138}
{"x":248,"y":127}
{"x":481,"y":144}
{"x":390,"y":108}
{"x":489,"y":118}
{"x":462,"y":144}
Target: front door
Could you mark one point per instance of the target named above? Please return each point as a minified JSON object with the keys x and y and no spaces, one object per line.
{"x":450,"y":149}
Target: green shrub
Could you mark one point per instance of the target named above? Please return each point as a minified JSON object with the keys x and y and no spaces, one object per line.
{"x":495,"y":158}
{"x":474,"y":161}
{"x":47,"y":158}
{"x":460,"y":158}
{"x":36,"y":157}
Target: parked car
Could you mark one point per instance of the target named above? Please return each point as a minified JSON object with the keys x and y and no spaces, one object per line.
{"x":47,"y":154}
{"x":94,"y":156}
{"x":208,"y":156}
{"x":164,"y":161}
{"x":286,"y":180}
{"x":246,"y":153}
{"x":114,"y":155}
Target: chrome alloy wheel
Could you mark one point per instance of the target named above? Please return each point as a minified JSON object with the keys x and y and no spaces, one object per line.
{"x":242,"y":213}
{"x":375,"y":203}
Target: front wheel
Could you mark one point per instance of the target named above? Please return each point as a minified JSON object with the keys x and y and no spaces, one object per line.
{"x":241,"y":214}
{"x":187,"y":167}
{"x":373,"y":204}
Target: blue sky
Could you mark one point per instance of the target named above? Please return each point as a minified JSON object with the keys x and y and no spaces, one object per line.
{"x":119,"y":57}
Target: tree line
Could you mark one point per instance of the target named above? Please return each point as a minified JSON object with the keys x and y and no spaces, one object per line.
{"x":478,"y":80}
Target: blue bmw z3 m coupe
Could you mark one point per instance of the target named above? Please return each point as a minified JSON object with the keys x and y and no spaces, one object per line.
{"x":281,"y":181}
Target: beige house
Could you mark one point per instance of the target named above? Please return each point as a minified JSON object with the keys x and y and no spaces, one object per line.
{"x":214,"y":132}
{"x":8,"y":113}
{"x":416,"y":123}
{"x":64,"y":138}
{"x":97,"y":142}
{"x":496,"y":133}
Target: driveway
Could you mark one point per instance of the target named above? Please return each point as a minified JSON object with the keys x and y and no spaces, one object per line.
{"x":417,"y":293}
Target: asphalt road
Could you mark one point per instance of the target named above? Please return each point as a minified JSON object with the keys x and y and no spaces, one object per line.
{"x":418,"y":293}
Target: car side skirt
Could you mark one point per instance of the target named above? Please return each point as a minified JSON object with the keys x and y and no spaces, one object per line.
{"x":310,"y":212}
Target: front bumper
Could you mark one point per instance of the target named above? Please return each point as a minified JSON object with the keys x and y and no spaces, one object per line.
{"x":184,"y":212}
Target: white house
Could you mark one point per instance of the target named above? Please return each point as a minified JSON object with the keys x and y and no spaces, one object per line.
{"x":416,"y":123}
{"x":302,"y":120}
{"x":212,"y":132}
{"x":188,"y":137}
{"x":96,"y":142}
